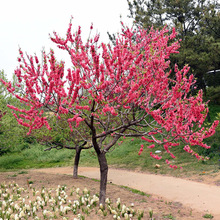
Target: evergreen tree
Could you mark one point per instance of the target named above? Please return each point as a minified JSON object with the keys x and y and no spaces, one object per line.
{"x":198,"y":25}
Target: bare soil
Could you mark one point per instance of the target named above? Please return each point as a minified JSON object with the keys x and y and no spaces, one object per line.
{"x":163,"y":206}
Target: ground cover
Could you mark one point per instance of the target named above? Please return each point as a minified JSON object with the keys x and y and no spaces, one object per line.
{"x":34,"y":189}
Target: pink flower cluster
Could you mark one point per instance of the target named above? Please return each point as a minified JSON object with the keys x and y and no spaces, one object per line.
{"x":155,"y":156}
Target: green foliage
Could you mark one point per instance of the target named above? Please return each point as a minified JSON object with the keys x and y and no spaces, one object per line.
{"x":60,"y":136}
{"x":213,"y":94}
{"x":11,"y":134}
{"x":34,"y":157}
{"x":210,"y":216}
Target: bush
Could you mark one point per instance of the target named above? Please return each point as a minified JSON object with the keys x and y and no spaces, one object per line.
{"x":213,"y":94}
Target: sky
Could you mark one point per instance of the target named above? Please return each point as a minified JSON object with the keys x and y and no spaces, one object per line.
{"x":27,"y":24}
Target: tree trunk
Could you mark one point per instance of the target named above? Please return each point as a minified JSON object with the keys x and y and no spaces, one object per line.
{"x":76,"y":162}
{"x":103,"y":177}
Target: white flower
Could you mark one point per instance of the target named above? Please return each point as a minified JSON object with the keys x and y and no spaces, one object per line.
{"x":9,"y":211}
{"x":27,"y":207}
{"x":123,"y":209}
{"x":126,"y":216}
{"x":38,"y":198}
{"x":114,"y":212}
{"x":82,"y":200}
{"x":95,"y":198}
{"x":34,"y":209}
{"x":66,"y":208}
{"x":77,"y":190}
{"x":76,"y":202}
{"x":107,"y":200}
{"x":4,"y":203}
{"x":21,"y":214}
{"x":51,"y":201}
{"x":61,"y":208}
{"x":85,"y":190}
{"x":17,"y":206}
{"x":118,"y":202}
{"x":100,"y":211}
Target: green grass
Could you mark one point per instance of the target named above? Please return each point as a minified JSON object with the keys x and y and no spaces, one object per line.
{"x":135,"y":191}
{"x":124,"y":155}
{"x":213,"y":110}
{"x":35,"y":157}
{"x":210,"y":216}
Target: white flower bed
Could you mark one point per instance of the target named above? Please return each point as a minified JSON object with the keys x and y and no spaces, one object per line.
{"x":19,"y":203}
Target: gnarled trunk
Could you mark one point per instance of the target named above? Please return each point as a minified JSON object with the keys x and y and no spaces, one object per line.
{"x":103,"y":177}
{"x":76,"y":162}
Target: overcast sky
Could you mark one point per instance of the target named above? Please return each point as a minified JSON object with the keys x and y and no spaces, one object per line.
{"x":27,"y":24}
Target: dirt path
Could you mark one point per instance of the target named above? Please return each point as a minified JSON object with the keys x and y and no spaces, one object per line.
{"x":199,"y":196}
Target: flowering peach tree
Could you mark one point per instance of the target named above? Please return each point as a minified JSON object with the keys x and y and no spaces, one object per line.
{"x":116,"y":91}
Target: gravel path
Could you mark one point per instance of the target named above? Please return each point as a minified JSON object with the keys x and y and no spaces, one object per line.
{"x":199,"y":196}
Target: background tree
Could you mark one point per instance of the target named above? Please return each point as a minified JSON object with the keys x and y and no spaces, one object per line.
{"x":197,"y":24}
{"x":60,"y":137}
{"x":212,"y":78}
{"x":114,"y":91}
{"x":11,"y":134}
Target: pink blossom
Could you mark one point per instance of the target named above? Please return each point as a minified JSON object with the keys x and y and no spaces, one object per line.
{"x":155,"y":156}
